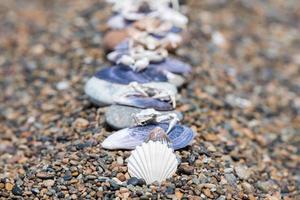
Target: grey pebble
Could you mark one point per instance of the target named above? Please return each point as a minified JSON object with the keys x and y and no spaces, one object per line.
{"x":104,"y":93}
{"x":133,"y":181}
{"x":242,"y":171}
{"x":265,"y":186}
{"x":231,"y":179}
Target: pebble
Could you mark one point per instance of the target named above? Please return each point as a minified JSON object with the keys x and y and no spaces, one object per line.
{"x":68,"y":176}
{"x":120,"y":160}
{"x":266,"y":186}
{"x":133,"y":181}
{"x":114,"y":116}
{"x":103,"y":93}
{"x":81,"y":123}
{"x":44,"y":175}
{"x":17,"y":191}
{"x":231,"y":179}
{"x":242,"y":171}
{"x":9,"y":186}
{"x":121,"y":177}
{"x":186,"y":169}
{"x":248,"y":188}
{"x":35,"y":191}
{"x":63,"y":85}
{"x":49,"y":183}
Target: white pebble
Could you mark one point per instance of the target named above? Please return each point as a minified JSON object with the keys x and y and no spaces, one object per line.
{"x":62,"y":85}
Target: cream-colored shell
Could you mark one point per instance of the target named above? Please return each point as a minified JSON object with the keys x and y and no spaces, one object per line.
{"x":152,"y":161}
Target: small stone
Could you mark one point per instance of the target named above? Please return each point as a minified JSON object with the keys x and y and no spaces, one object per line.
{"x":63,"y":85}
{"x":248,"y":188}
{"x":170,"y":190}
{"x":38,"y":49}
{"x":103,"y":93}
{"x":178,"y":194}
{"x":266,"y":186}
{"x":186,"y":169}
{"x":133,"y":181}
{"x":17,"y":191}
{"x":81,"y":123}
{"x":121,"y":177}
{"x":221,"y":197}
{"x":35,"y":191}
{"x":207,"y":193}
{"x":120,"y":160}
{"x":114,"y":185}
{"x":75,"y":173}
{"x":141,"y":182}
{"x":91,"y":177}
{"x":60,"y":195}
{"x":211,"y":137}
{"x":231,"y":179}
{"x":218,"y":39}
{"x":228,"y":170}
{"x":2,"y":185}
{"x":44,"y":175}
{"x":242,"y":171}
{"x":68,"y":176}
{"x":9,"y":186}
{"x":211,"y":148}
{"x":49,"y":183}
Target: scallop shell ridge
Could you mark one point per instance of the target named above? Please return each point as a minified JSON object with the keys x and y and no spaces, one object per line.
{"x":152,"y":161}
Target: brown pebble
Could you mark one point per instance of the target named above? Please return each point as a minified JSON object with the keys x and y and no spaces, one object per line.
{"x":211,"y":137}
{"x":74,"y":174}
{"x":9,"y":186}
{"x":178,"y":194}
{"x":121,"y":177}
{"x":81,"y":123}
{"x":44,"y":175}
{"x":208,"y":193}
{"x":186,"y":169}
{"x":113,"y":38}
{"x":248,"y":188}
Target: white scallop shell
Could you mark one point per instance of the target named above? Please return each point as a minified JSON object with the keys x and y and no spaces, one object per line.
{"x":152,"y":161}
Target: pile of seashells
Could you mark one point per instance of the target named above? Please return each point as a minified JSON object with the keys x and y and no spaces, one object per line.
{"x":141,"y":86}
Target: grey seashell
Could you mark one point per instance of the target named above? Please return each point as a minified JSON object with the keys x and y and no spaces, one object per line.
{"x":103,"y":93}
{"x":114,"y":116}
{"x":129,"y":138}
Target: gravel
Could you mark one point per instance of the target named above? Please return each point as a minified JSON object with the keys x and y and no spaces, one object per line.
{"x":242,"y":99}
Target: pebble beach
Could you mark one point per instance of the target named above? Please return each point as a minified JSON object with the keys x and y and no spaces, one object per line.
{"x":242,"y":100}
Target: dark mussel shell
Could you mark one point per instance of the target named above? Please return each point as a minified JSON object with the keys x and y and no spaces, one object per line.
{"x":125,"y":75}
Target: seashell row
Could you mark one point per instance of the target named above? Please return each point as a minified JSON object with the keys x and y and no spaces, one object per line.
{"x":141,"y":85}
